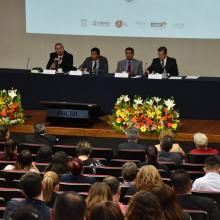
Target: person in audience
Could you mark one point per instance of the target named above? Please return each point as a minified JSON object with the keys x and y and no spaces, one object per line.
{"x":201,"y":143}
{"x":163,"y":62}
{"x":60,"y":59}
{"x":129,"y":173}
{"x":26,"y":213}
{"x":50,"y":187}
{"x":182,"y":185}
{"x":105,"y":211}
{"x":69,"y":205}
{"x":176,"y":148}
{"x":58,"y":163}
{"x":24,"y":162}
{"x":165,"y":154}
{"x":4,"y":133}
{"x":99,"y":192}
{"x":151,"y":156}
{"x":44,"y":155}
{"x":96,"y":63}
{"x":83,"y":151}
{"x":10,"y":150}
{"x":132,"y":141}
{"x":115,"y":187}
{"x":40,"y":136}
{"x":75,"y":166}
{"x":211,"y":180}
{"x":169,"y":203}
{"x":130,"y":65}
{"x":31,"y":186}
{"x":147,"y":177}
{"x":144,"y":206}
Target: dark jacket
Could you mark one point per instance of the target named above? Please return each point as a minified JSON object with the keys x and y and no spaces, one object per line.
{"x":170,"y":157}
{"x":67,"y":61}
{"x":69,"y":178}
{"x":171,"y":66}
{"x":190,"y":201}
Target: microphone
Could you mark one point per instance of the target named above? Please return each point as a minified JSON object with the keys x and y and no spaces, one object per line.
{"x":28,"y":63}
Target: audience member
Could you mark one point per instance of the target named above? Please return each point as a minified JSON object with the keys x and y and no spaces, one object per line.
{"x":106,"y":210}
{"x":175,"y":147}
{"x":75,"y":166}
{"x":50,"y":187}
{"x":44,"y":155}
{"x":40,"y":135}
{"x":10,"y":150}
{"x":115,"y":187}
{"x":169,"y":203}
{"x":165,"y":154}
{"x":83,"y":151}
{"x":147,"y":177}
{"x":152,"y":155}
{"x":211,"y":180}
{"x":201,"y":143}
{"x":129,"y":173}
{"x":31,"y":186}
{"x":58,"y":163}
{"x":182,"y":185}
{"x":99,"y":192}
{"x":4,"y":133}
{"x":69,"y":205}
{"x":144,"y":206}
{"x":132,"y":140}
{"x":24,"y":162}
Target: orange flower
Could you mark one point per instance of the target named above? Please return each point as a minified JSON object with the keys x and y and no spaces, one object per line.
{"x":3,"y":114}
{"x":169,"y":124}
{"x":134,"y":119}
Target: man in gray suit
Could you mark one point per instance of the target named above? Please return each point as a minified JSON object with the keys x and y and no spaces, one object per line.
{"x":130,"y":65}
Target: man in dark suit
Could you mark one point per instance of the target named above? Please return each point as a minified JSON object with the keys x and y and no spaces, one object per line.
{"x":60,"y":59}
{"x":182,"y":185}
{"x":96,"y":63}
{"x":40,"y":137}
{"x":163,"y":63}
{"x":130,"y":65}
{"x":132,"y":144}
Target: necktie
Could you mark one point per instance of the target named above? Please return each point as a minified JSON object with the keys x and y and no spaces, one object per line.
{"x":162,"y":63}
{"x":129,"y":67}
{"x":94,"y":67}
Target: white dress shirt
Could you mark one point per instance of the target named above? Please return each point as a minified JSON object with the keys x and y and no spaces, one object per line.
{"x":164,"y":61}
{"x":209,"y":182}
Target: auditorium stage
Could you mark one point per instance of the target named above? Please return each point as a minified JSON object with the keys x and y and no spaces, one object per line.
{"x":103,"y":130}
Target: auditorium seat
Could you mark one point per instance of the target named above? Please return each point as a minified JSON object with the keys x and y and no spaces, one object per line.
{"x":99,"y":178}
{"x":197,"y":214}
{"x":167,"y":181}
{"x":126,"y":199}
{"x":111,"y":171}
{"x":3,"y":164}
{"x":124,"y":189}
{"x":9,"y":193}
{"x":170,"y":165}
{"x":2,"y":210}
{"x":77,"y":187}
{"x":120,"y":162}
{"x":164,"y":174}
{"x":69,"y":150}
{"x":33,"y":148}
{"x":2,"y":202}
{"x":106,"y":153}
{"x":3,"y":182}
{"x":131,"y":155}
{"x":87,"y":170}
{"x":198,"y":158}
{"x":192,"y":167}
{"x":195,"y":175}
{"x":2,"y":146}
{"x":41,"y":166}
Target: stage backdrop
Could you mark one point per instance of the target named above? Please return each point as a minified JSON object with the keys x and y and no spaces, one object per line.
{"x":194,"y":56}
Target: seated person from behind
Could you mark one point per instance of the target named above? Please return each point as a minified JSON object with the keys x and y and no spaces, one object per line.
{"x":83,"y":151}
{"x":24,"y":162}
{"x":182,"y":185}
{"x":40,"y":136}
{"x":44,"y":155}
{"x":96,"y":63}
{"x":130,"y":65}
{"x":4,"y":133}
{"x":129,"y":172}
{"x":211,"y":180}
{"x":132,"y":140}
{"x":163,"y":63}
{"x":201,"y":143}
{"x":31,"y":186}
{"x":165,"y":154}
{"x":176,"y":147}
{"x":76,"y":168}
{"x":60,"y":59}
{"x":10,"y":150}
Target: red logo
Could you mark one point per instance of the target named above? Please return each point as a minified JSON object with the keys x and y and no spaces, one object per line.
{"x":119,"y":23}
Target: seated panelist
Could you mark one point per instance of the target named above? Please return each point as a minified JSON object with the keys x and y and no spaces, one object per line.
{"x":60,"y":59}
{"x":130,"y":65}
{"x":163,"y":62}
{"x":96,"y":63}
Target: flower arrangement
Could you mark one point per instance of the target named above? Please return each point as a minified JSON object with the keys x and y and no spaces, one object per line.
{"x":149,"y":116}
{"x":11,"y":111}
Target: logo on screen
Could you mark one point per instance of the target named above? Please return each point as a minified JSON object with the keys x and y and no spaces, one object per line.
{"x":84,"y":22}
{"x":101,"y":23}
{"x":119,"y":23}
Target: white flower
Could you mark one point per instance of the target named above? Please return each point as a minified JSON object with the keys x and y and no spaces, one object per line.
{"x":157,"y":99}
{"x":12,"y":93}
{"x":169,"y":103}
{"x":123,"y":98}
{"x":126,"y":98}
{"x":150,"y":102}
{"x":138,"y":101}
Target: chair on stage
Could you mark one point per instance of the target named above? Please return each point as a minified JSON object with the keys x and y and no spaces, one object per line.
{"x":131,"y":155}
{"x":106,"y":153}
{"x":77,"y":187}
{"x":197,"y":214}
{"x":69,"y":150}
{"x":120,"y":162}
{"x":111,"y":171}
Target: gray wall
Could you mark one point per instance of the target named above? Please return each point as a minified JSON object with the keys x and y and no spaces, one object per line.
{"x":194,"y":56}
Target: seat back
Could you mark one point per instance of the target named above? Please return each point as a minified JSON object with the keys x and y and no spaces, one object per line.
{"x":197,"y":214}
{"x":33,"y":148}
{"x":99,"y":178}
{"x":110,"y":171}
{"x":195,"y":174}
{"x":106,"y":153}
{"x":198,"y":158}
{"x":9,"y":193}
{"x":3,"y":164}
{"x":170,"y":165}
{"x":77,"y":187}
{"x":120,"y":162}
{"x":192,"y":167}
{"x":69,"y":150}
{"x":131,"y":155}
